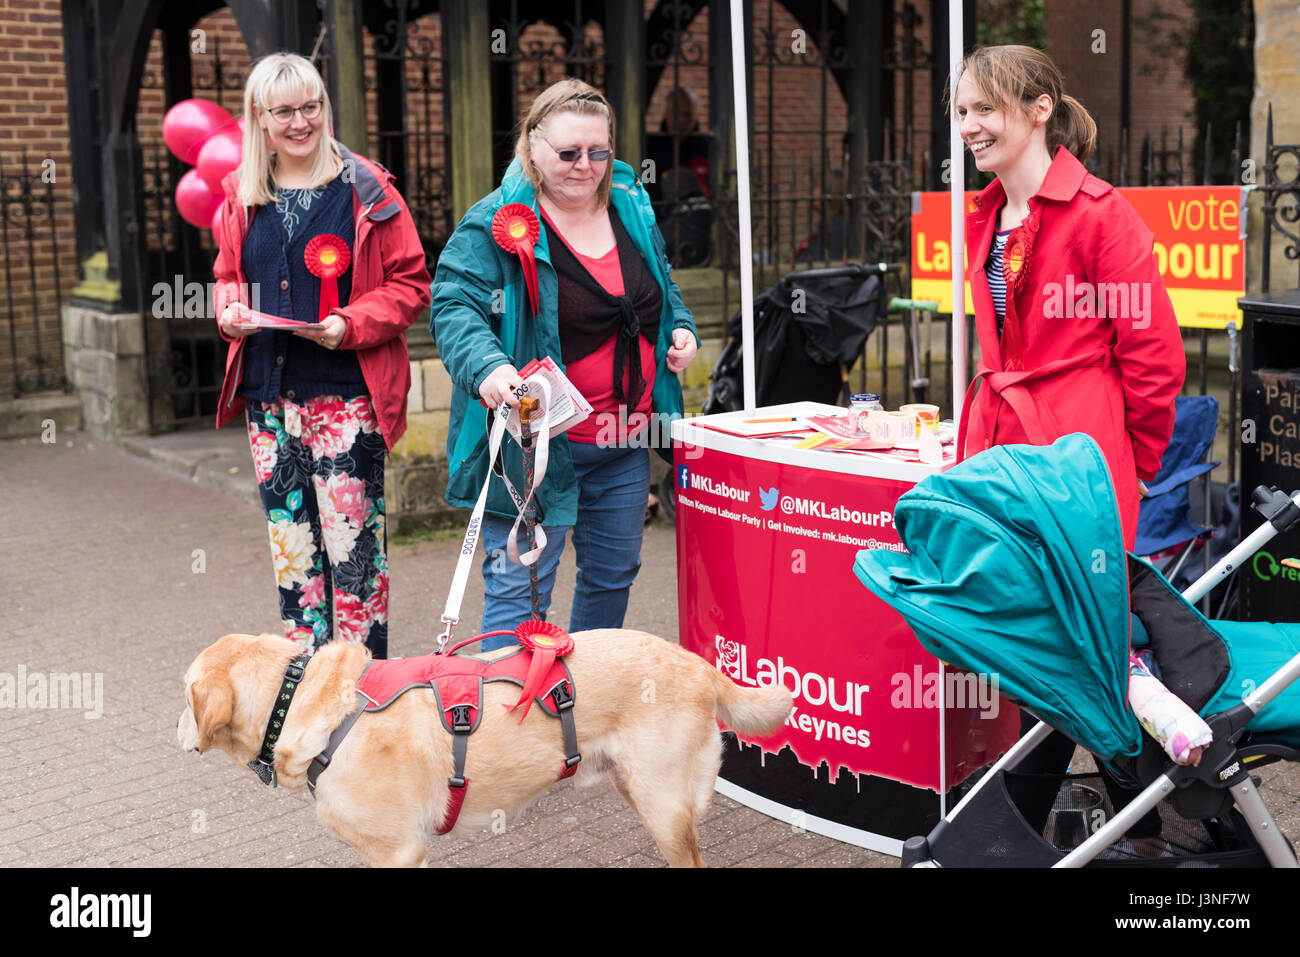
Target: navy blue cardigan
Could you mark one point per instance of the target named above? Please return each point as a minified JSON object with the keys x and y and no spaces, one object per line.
{"x":278,"y":363}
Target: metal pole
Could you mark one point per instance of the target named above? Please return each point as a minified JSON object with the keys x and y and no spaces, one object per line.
{"x":957,"y":206}
{"x":738,"y":75}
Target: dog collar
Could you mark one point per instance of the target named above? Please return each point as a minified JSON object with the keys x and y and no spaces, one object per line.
{"x":264,"y":764}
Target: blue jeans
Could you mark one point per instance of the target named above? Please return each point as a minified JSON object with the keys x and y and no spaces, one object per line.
{"x":613,"y":485}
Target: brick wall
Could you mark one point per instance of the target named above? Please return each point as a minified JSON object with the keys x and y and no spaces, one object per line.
{"x":34,"y":122}
{"x":1160,"y":96}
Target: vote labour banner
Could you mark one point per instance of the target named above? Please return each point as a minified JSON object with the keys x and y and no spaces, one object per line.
{"x":1199,"y":248}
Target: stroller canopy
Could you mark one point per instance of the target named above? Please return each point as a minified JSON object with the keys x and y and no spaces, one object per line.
{"x":1017,"y":568}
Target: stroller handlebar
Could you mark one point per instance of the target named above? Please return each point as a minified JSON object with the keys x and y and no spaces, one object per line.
{"x":1280,"y":512}
{"x":852,"y":269}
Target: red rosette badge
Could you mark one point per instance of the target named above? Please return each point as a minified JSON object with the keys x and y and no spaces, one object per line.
{"x":1015,"y":259}
{"x":547,"y":642}
{"x":515,"y":228}
{"x":327,"y":257}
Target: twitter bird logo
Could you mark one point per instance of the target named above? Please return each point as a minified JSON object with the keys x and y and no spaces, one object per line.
{"x":768,"y":497}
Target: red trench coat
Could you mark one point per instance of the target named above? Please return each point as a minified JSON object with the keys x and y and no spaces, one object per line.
{"x":1097,"y":357}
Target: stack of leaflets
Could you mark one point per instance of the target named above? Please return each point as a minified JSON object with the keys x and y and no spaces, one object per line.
{"x":568,"y":407}
{"x":264,"y":320}
{"x":838,"y":435}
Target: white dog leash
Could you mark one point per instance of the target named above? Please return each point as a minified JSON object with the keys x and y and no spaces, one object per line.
{"x":451,"y":612}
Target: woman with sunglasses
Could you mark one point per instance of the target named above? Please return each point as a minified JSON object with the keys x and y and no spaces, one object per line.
{"x":313,"y":233}
{"x":607,"y":311}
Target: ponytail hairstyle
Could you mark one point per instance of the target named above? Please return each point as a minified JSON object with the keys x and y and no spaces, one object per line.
{"x":1015,"y":76}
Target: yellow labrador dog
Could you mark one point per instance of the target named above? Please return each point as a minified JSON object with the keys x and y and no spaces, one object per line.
{"x":645,"y":714}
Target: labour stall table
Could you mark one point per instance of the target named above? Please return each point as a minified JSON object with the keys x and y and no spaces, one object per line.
{"x":766,"y":537}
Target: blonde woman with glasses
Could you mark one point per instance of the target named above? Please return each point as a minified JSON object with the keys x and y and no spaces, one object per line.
{"x":317,"y":235}
{"x":606,"y":309}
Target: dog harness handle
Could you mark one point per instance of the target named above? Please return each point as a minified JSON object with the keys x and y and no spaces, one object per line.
{"x":451,"y":611}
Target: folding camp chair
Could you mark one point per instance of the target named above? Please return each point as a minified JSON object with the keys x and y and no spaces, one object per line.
{"x":1164,"y":520}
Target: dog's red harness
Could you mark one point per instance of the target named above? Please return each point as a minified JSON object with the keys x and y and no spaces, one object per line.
{"x":457,"y":683}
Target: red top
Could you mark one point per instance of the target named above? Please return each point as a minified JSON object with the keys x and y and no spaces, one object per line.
{"x":591,"y":374}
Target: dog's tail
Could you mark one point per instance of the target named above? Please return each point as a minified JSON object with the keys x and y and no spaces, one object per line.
{"x":750,"y":710}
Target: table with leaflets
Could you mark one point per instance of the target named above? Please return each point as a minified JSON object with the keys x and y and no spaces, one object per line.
{"x":767,"y":530}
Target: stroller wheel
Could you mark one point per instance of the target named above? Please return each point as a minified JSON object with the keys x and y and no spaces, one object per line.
{"x":916,"y":853}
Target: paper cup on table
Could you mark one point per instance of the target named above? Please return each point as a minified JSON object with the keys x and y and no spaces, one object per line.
{"x":902,"y":427}
{"x":927,"y":416}
{"x":877,"y":426}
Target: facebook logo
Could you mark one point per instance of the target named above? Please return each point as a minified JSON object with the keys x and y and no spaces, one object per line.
{"x":683,"y":477}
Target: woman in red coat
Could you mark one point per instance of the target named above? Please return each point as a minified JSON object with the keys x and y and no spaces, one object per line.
{"x":1076,"y":331}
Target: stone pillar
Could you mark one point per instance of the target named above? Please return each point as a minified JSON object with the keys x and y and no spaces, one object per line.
{"x":625,"y":87}
{"x":103,"y":357}
{"x":416,"y":476}
{"x":347,"y":74}
{"x":1277,"y":77}
{"x":467,"y":49}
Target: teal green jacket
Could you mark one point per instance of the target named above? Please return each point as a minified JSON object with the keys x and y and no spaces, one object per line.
{"x":480,"y":320}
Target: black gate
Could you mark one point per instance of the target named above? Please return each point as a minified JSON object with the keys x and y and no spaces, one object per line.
{"x":32,"y":359}
{"x":407,"y":113}
{"x":530,"y":52}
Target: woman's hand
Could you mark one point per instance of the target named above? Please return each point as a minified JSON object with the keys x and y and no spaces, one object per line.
{"x":331,"y":336}
{"x":231,"y":321}
{"x":500,"y":386}
{"x":683,"y":350}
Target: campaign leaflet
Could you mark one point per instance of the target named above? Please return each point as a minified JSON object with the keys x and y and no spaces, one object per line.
{"x":568,"y":406}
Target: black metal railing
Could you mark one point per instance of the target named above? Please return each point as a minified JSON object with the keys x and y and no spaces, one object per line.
{"x":1281,"y":207}
{"x":410,"y":135}
{"x":33,"y":281}
{"x":533,"y":54}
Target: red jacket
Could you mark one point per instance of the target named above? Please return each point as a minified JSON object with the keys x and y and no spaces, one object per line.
{"x":1101,"y":349}
{"x":390,"y":290}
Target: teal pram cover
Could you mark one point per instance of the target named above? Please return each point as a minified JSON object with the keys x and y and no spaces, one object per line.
{"x":1016,"y":567}
{"x":1256,"y":650}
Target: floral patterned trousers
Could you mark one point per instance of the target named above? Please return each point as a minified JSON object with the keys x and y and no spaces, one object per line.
{"x":320,"y":472}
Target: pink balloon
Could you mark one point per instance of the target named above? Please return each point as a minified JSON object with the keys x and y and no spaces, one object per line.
{"x":219,"y":155}
{"x":189,"y":123}
{"x":196,"y":202}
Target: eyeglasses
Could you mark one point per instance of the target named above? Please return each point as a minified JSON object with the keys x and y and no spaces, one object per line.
{"x":572,"y":156}
{"x":309,"y":110}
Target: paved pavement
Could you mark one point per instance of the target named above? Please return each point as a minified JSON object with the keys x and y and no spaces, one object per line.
{"x":124,"y":566}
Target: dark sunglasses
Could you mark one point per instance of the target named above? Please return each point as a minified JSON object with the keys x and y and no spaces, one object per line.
{"x":572,"y":156}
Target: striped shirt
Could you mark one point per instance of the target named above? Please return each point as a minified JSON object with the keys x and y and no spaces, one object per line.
{"x":997,"y":283}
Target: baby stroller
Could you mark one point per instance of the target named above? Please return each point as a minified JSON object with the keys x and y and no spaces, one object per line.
{"x":1015,"y":567}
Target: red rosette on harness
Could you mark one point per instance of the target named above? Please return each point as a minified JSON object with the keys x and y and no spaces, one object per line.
{"x":546,"y":642}
{"x":515,"y":228}
{"x":327,"y":257}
